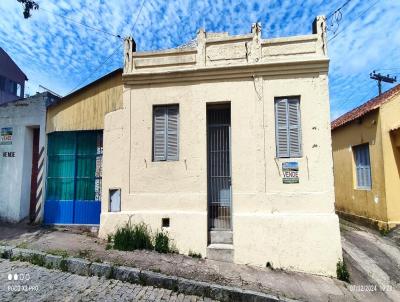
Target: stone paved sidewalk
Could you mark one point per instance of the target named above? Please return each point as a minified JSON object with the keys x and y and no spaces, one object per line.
{"x":279,"y":283}
{"x":52,"y":285}
{"x":373,"y":259}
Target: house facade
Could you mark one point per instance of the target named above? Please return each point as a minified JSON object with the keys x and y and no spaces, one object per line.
{"x":74,"y":131}
{"x":225,"y":144}
{"x":366,"y":156}
{"x":12,"y":79}
{"x":23,"y":157}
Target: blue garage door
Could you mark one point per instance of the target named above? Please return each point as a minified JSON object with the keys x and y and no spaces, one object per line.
{"x":74,"y":177}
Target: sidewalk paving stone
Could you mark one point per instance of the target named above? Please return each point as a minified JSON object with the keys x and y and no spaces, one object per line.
{"x":282,"y":284}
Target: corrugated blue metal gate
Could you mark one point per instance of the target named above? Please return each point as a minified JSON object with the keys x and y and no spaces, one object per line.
{"x":74,"y":178}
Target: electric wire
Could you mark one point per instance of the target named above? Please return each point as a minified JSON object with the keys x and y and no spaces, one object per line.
{"x":338,"y":9}
{"x":360,"y":15}
{"x":111,"y":55}
{"x":82,"y":24}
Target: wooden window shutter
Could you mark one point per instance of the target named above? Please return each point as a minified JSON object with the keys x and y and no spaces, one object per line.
{"x":281,"y":131}
{"x":294,"y":128}
{"x":172,"y":132}
{"x":159,"y":133}
{"x":363,"y":166}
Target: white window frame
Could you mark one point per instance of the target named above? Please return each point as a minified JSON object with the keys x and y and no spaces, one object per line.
{"x":290,"y":153}
{"x":362,"y":168}
{"x":166,"y":156}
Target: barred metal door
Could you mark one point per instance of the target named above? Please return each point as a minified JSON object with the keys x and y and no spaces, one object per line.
{"x":219,"y":169}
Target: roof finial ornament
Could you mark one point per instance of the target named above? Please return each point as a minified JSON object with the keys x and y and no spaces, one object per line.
{"x":256,"y":28}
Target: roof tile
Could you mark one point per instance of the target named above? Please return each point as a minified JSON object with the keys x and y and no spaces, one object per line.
{"x":363,"y":109}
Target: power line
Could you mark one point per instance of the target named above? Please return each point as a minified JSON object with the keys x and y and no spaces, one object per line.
{"x":137,"y":16}
{"x":94,"y":71}
{"x":388,"y":69}
{"x":338,"y":9}
{"x":360,"y":15}
{"x":112,"y":54}
{"x":335,"y":18}
{"x":82,"y":24}
{"x":356,"y":104}
{"x":347,"y":99}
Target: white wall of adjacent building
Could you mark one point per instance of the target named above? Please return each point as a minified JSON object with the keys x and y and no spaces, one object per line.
{"x":21,"y":117}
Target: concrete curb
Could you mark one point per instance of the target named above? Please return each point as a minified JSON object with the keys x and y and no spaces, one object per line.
{"x":133,"y":275}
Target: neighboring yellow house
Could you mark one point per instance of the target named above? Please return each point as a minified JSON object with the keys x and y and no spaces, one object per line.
{"x":225,"y":143}
{"x":366,"y":156}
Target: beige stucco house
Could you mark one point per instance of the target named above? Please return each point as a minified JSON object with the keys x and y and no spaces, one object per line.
{"x":226,"y":144}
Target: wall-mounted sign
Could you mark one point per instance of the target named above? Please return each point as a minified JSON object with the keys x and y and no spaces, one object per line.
{"x":290,"y":171}
{"x":6,"y":135}
{"x":8,"y":154}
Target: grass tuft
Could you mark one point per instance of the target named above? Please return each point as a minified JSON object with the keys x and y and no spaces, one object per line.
{"x":194,"y":254}
{"x":23,"y":245}
{"x":342,"y":272}
{"x":64,"y":265}
{"x":58,"y":252}
{"x":37,"y":260}
{"x":162,"y":242}
{"x":133,"y":237}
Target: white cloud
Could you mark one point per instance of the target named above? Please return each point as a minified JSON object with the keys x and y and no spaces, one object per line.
{"x":60,"y":54}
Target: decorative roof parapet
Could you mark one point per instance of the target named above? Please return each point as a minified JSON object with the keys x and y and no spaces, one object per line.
{"x":220,"y":50}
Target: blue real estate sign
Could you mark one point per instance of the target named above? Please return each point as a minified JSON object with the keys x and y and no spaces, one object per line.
{"x":6,"y":135}
{"x":290,"y":171}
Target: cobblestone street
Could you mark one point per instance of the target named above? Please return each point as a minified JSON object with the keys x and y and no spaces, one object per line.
{"x":34,"y":283}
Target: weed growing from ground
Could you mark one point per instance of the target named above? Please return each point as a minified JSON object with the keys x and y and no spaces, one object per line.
{"x":194,"y":254}
{"x":342,"y":272}
{"x":23,"y":245}
{"x":84,"y":253}
{"x":139,"y":237}
{"x":58,"y":252}
{"x":142,"y":280}
{"x":133,"y":237}
{"x":63,"y":265}
{"x":162,"y":242}
{"x":384,"y":231}
{"x":37,"y":260}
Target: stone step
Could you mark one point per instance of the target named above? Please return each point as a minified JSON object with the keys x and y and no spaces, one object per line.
{"x":220,"y":252}
{"x":225,"y":237}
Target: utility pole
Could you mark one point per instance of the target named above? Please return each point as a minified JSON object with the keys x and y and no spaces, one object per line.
{"x":381,"y":78}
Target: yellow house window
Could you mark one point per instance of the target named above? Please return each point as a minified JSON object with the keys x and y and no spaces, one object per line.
{"x":363,"y":167}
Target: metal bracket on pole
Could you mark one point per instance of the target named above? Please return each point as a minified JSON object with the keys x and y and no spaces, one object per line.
{"x":381,"y":78}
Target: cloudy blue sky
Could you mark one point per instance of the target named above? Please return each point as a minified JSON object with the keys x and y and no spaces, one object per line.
{"x":62,"y":55}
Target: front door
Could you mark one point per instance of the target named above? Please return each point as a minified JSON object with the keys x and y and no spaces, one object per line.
{"x":219,"y":167}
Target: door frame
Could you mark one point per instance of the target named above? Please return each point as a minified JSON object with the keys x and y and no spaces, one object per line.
{"x":74,"y":212}
{"x":34,"y":172}
{"x":211,"y":106}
